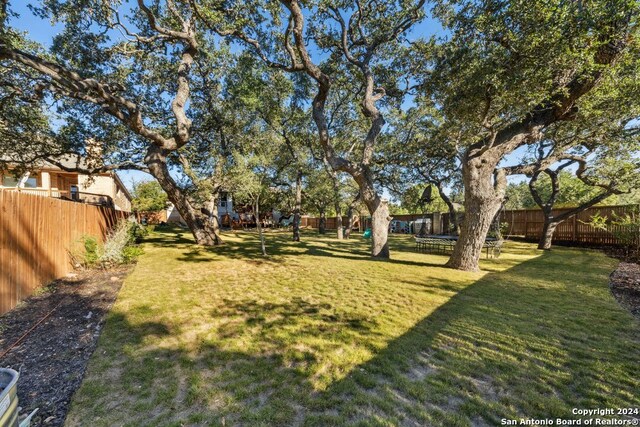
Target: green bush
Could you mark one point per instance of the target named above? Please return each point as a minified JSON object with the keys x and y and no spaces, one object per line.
{"x":86,"y":252}
{"x":91,"y":249}
{"x":120,"y":247}
{"x":625,"y":228}
{"x":137,"y":232}
{"x":130,"y":253}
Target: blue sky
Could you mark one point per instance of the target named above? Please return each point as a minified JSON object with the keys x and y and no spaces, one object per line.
{"x":42,"y":31}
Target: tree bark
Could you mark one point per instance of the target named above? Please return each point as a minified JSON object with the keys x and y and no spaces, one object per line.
{"x":350,"y":217}
{"x":256,"y":213}
{"x":298,"y":207}
{"x":380,"y":221}
{"x":546,"y":237}
{"x":198,"y":223}
{"x":322,"y":224}
{"x":339,"y":233}
{"x":482,"y":201}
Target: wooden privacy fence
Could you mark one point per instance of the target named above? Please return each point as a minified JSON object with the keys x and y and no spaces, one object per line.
{"x":152,"y":217}
{"x":363,"y":222}
{"x":313,"y":222}
{"x":525,"y":223}
{"x":528,"y":223}
{"x":36,"y":235}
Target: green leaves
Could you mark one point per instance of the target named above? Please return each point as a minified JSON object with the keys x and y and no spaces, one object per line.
{"x":148,"y":196}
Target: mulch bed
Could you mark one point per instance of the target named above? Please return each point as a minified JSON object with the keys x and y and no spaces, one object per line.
{"x":625,"y":286}
{"x":52,"y":357}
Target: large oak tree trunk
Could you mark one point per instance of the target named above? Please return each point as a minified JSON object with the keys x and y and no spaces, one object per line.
{"x":198,"y":223}
{"x":212,"y":212}
{"x":546,"y":237}
{"x":350,"y":217}
{"x":380,"y":221}
{"x":322,"y":224}
{"x":481,"y":203}
{"x":298,"y":208}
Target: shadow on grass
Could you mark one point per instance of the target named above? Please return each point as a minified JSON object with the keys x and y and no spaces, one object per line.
{"x":279,"y":246}
{"x":526,"y":342}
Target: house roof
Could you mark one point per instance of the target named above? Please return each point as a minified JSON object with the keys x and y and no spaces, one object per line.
{"x":68,"y":160}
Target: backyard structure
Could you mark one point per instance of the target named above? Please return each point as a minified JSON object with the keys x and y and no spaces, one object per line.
{"x":287,"y":340}
{"x":36,"y":236}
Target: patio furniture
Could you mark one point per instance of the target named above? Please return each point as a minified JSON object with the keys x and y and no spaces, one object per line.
{"x":445,"y":243}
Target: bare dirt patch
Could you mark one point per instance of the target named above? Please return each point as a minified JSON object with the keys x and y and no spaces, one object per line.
{"x":52,"y":357}
{"x":625,"y":286}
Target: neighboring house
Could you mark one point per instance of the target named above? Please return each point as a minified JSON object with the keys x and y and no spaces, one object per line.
{"x":225,"y":207}
{"x":49,"y":180}
{"x":227,"y":215}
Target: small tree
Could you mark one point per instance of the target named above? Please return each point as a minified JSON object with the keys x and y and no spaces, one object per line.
{"x":148,"y":196}
{"x":319,"y":195}
{"x":249,"y":184}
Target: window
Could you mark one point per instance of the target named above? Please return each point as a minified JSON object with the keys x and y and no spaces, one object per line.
{"x":31,"y":182}
{"x":9,"y":181}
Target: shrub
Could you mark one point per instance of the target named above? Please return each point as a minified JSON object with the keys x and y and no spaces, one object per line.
{"x":130,"y":253}
{"x":138,"y":232}
{"x":625,"y":228}
{"x":119,"y":247}
{"x":85,"y":252}
{"x":91,"y":250}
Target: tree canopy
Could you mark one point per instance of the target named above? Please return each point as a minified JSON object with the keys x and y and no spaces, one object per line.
{"x":302,"y":103}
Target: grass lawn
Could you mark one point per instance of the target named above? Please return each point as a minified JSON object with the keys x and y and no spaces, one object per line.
{"x":319,"y":334}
